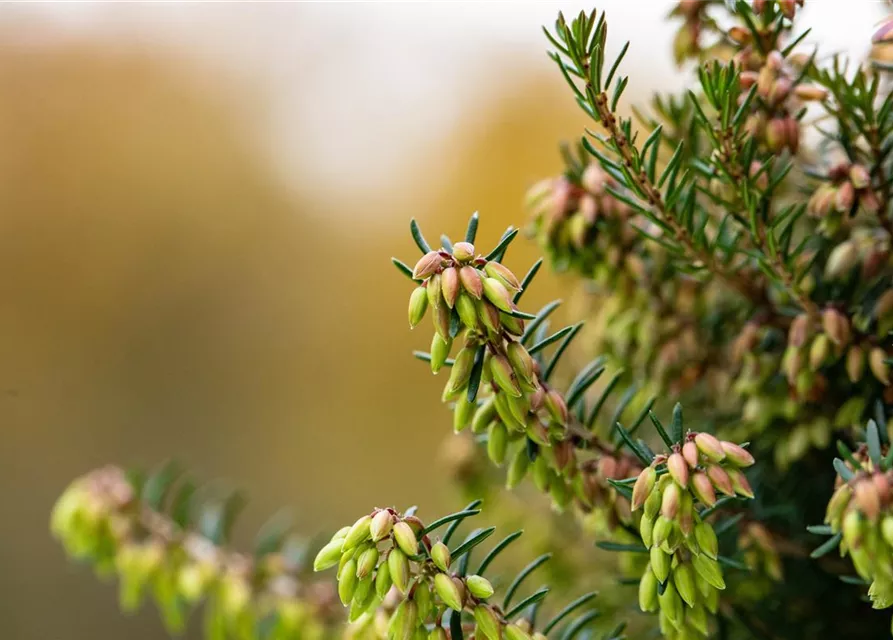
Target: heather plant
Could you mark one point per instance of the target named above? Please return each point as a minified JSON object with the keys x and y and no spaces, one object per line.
{"x":733,"y":245}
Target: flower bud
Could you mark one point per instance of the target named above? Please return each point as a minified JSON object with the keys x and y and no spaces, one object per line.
{"x":708,"y":568}
{"x":449,"y":285}
{"x":358,"y":533}
{"x":513,"y":325}
{"x":819,"y":351}
{"x":467,"y":311}
{"x":448,"y":591}
{"x":703,"y":488}
{"x":836,"y":505}
{"x":489,"y":316}
{"x":836,"y":326}
{"x":460,"y":374}
{"x":441,"y":317}
{"x":521,"y":361}
{"x":479,"y":587}
{"x":652,"y":504}
{"x":328,"y":556}
{"x":404,"y":621}
{"x":853,"y":529}
{"x":678,"y":468}
{"x":556,"y":406}
{"x":845,"y":197}
{"x":514,"y":632}
{"x":383,"y":581}
{"x":660,"y":563}
{"x":867,"y":499}
{"x":720,"y":479}
{"x":440,"y":351}
{"x":799,"y":330}
{"x":440,"y":554}
{"x":739,"y":483}
{"x":877,"y":363}
{"x":406,"y":538}
{"x":427,"y":265}
{"x":841,"y":260}
{"x":471,"y":281}
{"x":859,"y":176}
{"x":705,"y":536}
{"x":669,"y":505}
{"x":855,"y":363}
{"x":463,"y":412}
{"x":646,"y":530}
{"x":398,"y":567}
{"x":810,"y":93}
{"x":463,"y":251}
{"x":503,"y":274}
{"x":347,"y":582}
{"x":643,"y":487}
{"x":497,"y":442}
{"x":433,"y":291}
{"x":736,"y":454}
{"x":648,"y":586}
{"x":709,"y":446}
{"x":381,"y":525}
{"x":503,"y":375}
{"x":486,"y":623}
{"x":671,"y":604}
{"x":690,"y":453}
{"x":517,"y":468}
{"x":438,"y":633}
{"x":684,"y":581}
{"x":484,"y":415}
{"x":887,"y":530}
{"x":418,"y":304}
{"x":663,"y":529}
{"x":366,"y":562}
{"x":496,"y":293}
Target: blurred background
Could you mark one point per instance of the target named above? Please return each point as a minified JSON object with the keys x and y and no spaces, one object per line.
{"x":197,"y":207}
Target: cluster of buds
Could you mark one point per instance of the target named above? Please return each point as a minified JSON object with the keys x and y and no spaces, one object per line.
{"x":847,"y":190}
{"x":400,"y":584}
{"x":580,"y":225}
{"x":683,"y":578}
{"x":101,"y":520}
{"x":861,"y":510}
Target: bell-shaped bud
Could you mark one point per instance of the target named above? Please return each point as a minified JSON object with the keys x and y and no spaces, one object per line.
{"x":690,"y":453}
{"x":440,"y":351}
{"x":836,"y":326}
{"x":841,"y":260}
{"x":448,"y":591}
{"x":661,"y":562}
{"x":709,"y":445}
{"x":406,"y":538}
{"x":381,"y":525}
{"x":366,"y":562}
{"x":513,"y":325}
{"x":819,"y":351}
{"x":739,"y":483}
{"x":496,"y":293}
{"x":705,"y":536}
{"x":359,"y":533}
{"x":463,"y":251}
{"x":514,"y":632}
{"x":503,"y":375}
{"x":853,"y":529}
{"x":404,"y":621}
{"x":845,"y":197}
{"x":463,"y":412}
{"x":347,"y":581}
{"x":486,"y":623}
{"x":839,"y":501}
{"x":708,"y":568}
{"x":877,"y":362}
{"x":471,"y":281}
{"x":440,"y":554}
{"x":501,"y":273}
{"x":648,"y":587}
{"x":427,"y":265}
{"x":484,"y":415}
{"x":678,"y":468}
{"x":652,"y":504}
{"x":684,"y":581}
{"x":556,"y":406}
{"x":479,"y":587}
{"x":702,"y":487}
{"x":489,"y":316}
{"x":720,"y":479}
{"x":497,"y":443}
{"x":398,"y":566}
{"x":467,"y":311}
{"x":383,"y":581}
{"x":855,"y":363}
{"x":521,"y":361}
{"x":418,"y":304}
{"x":460,"y":374}
{"x":736,"y":454}
{"x":328,"y":556}
{"x":517,"y":468}
{"x":441,"y":317}
{"x":449,"y":285}
{"x":434,"y":291}
{"x":663,"y":529}
{"x":867,"y":499}
{"x":643,"y":487}
{"x":669,"y":505}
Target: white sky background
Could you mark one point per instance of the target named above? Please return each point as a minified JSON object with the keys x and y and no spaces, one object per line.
{"x":399,"y":73}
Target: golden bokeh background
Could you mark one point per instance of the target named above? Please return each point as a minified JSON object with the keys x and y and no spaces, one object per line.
{"x":197,"y":207}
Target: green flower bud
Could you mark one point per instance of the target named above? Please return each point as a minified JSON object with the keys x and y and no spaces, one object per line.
{"x":720,"y":479}
{"x":678,"y":468}
{"x":484,"y":415}
{"x":463,"y":251}
{"x":521,"y":361}
{"x":347,"y":582}
{"x":440,"y":351}
{"x":479,"y":587}
{"x":463,"y":412}
{"x":433,"y":291}
{"x":710,"y":446}
{"x":460,"y":374}
{"x":643,"y":487}
{"x":684,"y":581}
{"x":471,"y":281}
{"x":839,"y":501}
{"x":496,"y":293}
{"x":518,"y":407}
{"x":697,"y":618}
{"x":328,"y":556}
{"x":497,"y":442}
{"x":517,"y":467}
{"x":437,"y":633}
{"x":487,"y":624}
{"x":449,"y":285}
{"x":341,"y":533}
{"x":660,"y":563}
{"x":648,"y":586}
{"x":404,"y":621}
{"x":652,"y":504}
{"x":383,"y":581}
{"x":542,"y":475}
{"x":192,"y":581}
{"x":703,"y":488}
{"x":448,"y":591}
{"x":424,"y":601}
{"x":712,"y":599}
{"x":706,"y":539}
{"x":503,"y":375}
{"x":489,"y":316}
{"x":841,"y":260}
{"x":663,"y":528}
{"x":366,"y":562}
{"x":398,"y":568}
{"x":686,"y":513}
{"x":708,"y":568}
{"x":737,"y":455}
{"x":467,"y":310}
{"x":513,"y":325}
{"x":381,"y":525}
{"x":671,"y":604}
{"x":427,"y":265}
{"x":646,"y":530}
{"x":877,"y":363}
{"x":503,"y":274}
{"x":514,"y":632}
{"x":441,"y":316}
{"x":669,"y":505}
{"x":560,"y":493}
{"x":405,"y":538}
{"x":740,"y":483}
{"x":855,"y":363}
{"x":556,"y":406}
{"x":362,"y":599}
{"x":887,"y":530}
{"x":359,"y":533}
{"x":418,"y":305}
{"x":440,"y":554}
